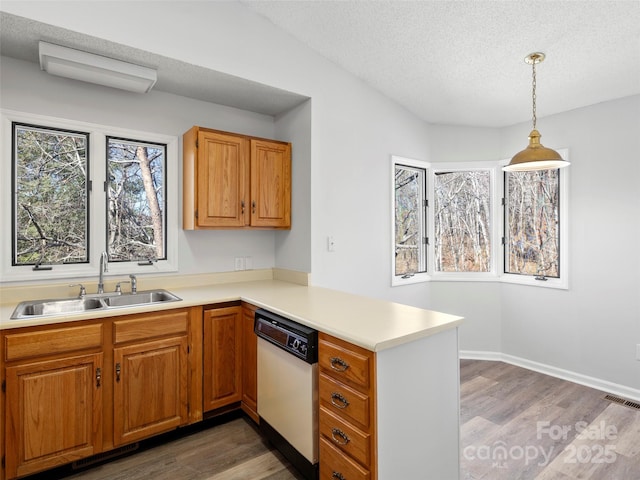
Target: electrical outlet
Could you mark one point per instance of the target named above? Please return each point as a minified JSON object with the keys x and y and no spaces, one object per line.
{"x":239,"y":262}
{"x":638,"y":352}
{"x":248,"y":263}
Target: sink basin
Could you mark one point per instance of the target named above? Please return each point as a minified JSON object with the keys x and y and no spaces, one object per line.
{"x":140,"y":298}
{"x":48,"y":308}
{"x":45,"y":308}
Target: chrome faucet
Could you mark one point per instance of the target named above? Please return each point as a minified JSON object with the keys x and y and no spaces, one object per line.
{"x":104,"y":260}
{"x":134,"y":283}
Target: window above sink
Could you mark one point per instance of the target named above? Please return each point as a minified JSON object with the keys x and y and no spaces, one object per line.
{"x":105,"y":166}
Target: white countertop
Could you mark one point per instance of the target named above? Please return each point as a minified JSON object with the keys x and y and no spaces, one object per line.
{"x":370,"y":323}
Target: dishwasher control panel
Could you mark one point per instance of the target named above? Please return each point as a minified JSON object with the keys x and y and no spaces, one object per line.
{"x":293,"y":337}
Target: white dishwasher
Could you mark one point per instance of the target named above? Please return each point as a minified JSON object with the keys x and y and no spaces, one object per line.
{"x":288,"y":389}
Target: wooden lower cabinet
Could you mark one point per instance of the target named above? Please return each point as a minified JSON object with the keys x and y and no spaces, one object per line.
{"x":54,"y":413}
{"x":77,"y":389}
{"x":222,"y":357}
{"x":249,"y":363}
{"x":347,"y":416}
{"x":150,"y":392}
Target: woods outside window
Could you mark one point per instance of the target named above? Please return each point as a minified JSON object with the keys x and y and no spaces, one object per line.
{"x":72,"y":190}
{"x":50,"y":205}
{"x":135,"y":200}
{"x":409,"y":221}
{"x":483,"y":225}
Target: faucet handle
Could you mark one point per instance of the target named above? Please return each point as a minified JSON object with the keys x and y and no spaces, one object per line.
{"x":83,"y":291}
{"x":119,"y":288}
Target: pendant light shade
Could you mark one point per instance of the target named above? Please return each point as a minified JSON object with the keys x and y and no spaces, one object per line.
{"x":536,"y":156}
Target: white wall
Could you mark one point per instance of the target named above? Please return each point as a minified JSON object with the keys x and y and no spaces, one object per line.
{"x":592,"y":328}
{"x":293,"y":246}
{"x":23,"y":87}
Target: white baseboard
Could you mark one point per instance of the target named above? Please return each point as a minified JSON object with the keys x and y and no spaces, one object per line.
{"x":592,"y":382}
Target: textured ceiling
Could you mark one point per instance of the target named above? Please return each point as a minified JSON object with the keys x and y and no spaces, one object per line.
{"x":461,"y":62}
{"x":454,"y":62}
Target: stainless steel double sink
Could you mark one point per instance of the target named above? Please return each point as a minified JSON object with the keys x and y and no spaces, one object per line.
{"x":87,"y":303}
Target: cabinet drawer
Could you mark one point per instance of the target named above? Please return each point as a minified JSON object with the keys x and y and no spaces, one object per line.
{"x":344,"y":362}
{"x":334,"y":465}
{"x":344,"y":401}
{"x":151,"y":325}
{"x":51,"y":342}
{"x":345,"y":437}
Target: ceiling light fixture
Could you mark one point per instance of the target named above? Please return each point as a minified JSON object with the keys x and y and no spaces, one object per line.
{"x":536,"y":156}
{"x":88,"y":67}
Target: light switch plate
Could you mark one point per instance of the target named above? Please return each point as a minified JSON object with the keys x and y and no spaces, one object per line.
{"x":239,"y":263}
{"x":638,"y":352}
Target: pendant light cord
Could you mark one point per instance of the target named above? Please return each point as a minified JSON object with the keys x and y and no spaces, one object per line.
{"x":533,"y":96}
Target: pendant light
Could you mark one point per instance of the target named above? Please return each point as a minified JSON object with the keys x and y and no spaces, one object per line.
{"x":536,"y":156}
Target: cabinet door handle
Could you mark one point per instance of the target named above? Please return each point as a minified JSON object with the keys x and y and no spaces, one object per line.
{"x":242,"y":205}
{"x":98,"y":376}
{"x":338,"y":476}
{"x":338,"y":364}
{"x":118,"y":369}
{"x":339,"y":436}
{"x":253,"y":207}
{"x":337,"y":400}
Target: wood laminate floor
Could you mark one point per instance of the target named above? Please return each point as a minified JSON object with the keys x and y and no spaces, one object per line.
{"x":516,"y":424}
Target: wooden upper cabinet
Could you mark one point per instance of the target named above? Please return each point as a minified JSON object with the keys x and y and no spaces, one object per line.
{"x":270,"y":184}
{"x":223,"y":166}
{"x":235,"y":181}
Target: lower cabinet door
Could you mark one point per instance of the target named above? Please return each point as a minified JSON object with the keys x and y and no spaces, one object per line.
{"x":150,"y":389}
{"x":222,"y":357}
{"x":53,"y":413}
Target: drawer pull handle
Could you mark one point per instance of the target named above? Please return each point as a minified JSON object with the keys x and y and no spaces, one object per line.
{"x":338,"y":364}
{"x":242,"y":205}
{"x":98,"y":376}
{"x":118,"y":369}
{"x":337,"y":400}
{"x":253,"y":207}
{"x":338,"y":476}
{"x":339,"y":436}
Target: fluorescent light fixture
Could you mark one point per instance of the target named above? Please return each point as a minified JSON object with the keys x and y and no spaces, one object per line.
{"x":79,"y":65}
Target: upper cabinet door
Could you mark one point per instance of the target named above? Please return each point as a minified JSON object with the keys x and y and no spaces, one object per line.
{"x":270,"y":184}
{"x":222,"y":186}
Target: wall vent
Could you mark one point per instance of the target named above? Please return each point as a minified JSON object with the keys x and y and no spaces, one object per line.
{"x":622,"y":401}
{"x":101,"y":457}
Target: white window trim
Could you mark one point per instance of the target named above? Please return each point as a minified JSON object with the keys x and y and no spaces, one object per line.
{"x":562,"y":282}
{"x":497,"y":273}
{"x":496,"y":222}
{"x":97,"y":200}
{"x":418,"y":277}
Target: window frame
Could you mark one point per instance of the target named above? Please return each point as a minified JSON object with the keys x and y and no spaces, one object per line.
{"x":146,"y":143}
{"x":14,"y":186}
{"x":495,"y":228}
{"x":418,"y":277}
{"x":561,"y":282}
{"x":498,"y":232}
{"x":97,"y":226}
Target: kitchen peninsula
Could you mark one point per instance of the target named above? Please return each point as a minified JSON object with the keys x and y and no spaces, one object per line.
{"x":415,"y":374}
